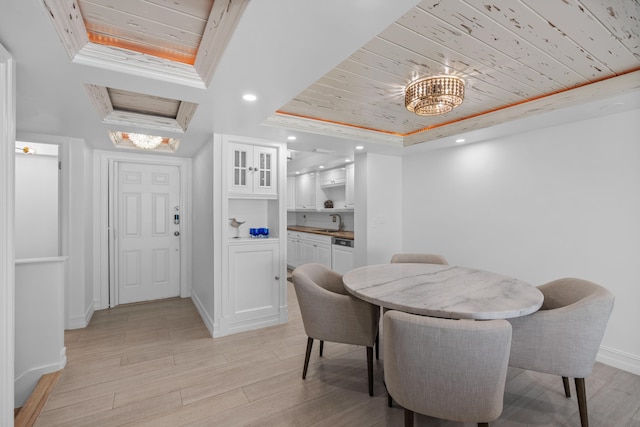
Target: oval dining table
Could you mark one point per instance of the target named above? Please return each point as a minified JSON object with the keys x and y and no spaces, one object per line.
{"x":445,"y":291}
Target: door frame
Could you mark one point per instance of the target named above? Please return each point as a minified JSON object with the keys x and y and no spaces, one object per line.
{"x":7,"y":261}
{"x":104,"y":291}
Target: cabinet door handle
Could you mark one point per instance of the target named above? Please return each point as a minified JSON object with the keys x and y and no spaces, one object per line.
{"x":277,"y":277}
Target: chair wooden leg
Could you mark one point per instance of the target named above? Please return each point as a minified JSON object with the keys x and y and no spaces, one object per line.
{"x":483,"y":424}
{"x":321,"y":347}
{"x":408,"y":418}
{"x":567,"y":390}
{"x":581,"y":392}
{"x":378,"y":346}
{"x":389,"y":400}
{"x":370,"y":369}
{"x":307,"y":356}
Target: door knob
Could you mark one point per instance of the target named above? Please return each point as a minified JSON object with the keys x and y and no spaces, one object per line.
{"x":176,"y":233}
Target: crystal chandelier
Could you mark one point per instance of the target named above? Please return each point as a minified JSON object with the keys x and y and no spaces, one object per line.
{"x":146,"y":142}
{"x":434,"y":95}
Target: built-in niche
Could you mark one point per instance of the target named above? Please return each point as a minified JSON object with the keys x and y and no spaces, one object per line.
{"x":37,"y":219}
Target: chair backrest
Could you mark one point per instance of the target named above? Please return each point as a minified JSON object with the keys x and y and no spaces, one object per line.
{"x":419,"y":258}
{"x":450,"y":369}
{"x":320,"y":275}
{"x":328,"y":312}
{"x":564,"y":336}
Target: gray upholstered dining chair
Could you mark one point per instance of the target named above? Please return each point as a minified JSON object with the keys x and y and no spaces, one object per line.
{"x":329,"y":313}
{"x":564,"y":336}
{"x":419,"y":258}
{"x":449,"y":369}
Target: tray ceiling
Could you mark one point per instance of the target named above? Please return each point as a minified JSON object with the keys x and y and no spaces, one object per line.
{"x":509,"y":53}
{"x":178,"y":41}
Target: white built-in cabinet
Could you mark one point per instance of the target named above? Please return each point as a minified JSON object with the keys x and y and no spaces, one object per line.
{"x":333,"y":177}
{"x":292,"y":249}
{"x":251,"y":292}
{"x":254,"y":282}
{"x":309,"y":191}
{"x":305,"y":193}
{"x":252,"y":170}
{"x":350,"y":201}
{"x":308,"y":248}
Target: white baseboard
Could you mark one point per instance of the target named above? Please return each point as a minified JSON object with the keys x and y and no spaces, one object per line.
{"x":208,"y":321}
{"x":79,"y":322}
{"x":619,"y":359}
{"x":27,"y":381}
{"x":228,"y":328}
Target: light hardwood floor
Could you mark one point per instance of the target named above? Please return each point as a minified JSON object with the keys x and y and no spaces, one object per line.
{"x":155,"y":364}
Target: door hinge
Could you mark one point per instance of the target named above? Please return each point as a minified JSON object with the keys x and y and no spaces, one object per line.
{"x":60,"y":166}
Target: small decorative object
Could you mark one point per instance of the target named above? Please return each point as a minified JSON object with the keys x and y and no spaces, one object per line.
{"x":253,"y":232}
{"x":328,"y":204}
{"x":236,"y":224}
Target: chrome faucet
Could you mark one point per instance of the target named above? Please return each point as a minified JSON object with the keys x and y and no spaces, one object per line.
{"x":340,"y":224}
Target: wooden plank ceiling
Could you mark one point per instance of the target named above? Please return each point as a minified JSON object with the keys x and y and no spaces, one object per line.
{"x":508,"y":52}
{"x":168,"y":29}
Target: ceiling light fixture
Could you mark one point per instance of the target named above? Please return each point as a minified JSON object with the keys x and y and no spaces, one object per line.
{"x":291,"y":138}
{"x":460,"y":140}
{"x":249,"y":97}
{"x":146,"y":142}
{"x":434,"y":95}
{"x":359,"y":147}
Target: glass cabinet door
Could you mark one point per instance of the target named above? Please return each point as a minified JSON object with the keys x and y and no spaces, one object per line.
{"x":239,"y":168}
{"x":265,"y":170}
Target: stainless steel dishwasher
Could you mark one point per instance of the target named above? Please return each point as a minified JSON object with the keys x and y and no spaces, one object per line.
{"x":342,"y":255}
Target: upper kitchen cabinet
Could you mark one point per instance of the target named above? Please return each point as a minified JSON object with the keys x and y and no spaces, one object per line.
{"x":333,"y":177}
{"x":253,"y":171}
{"x":350,"y":198}
{"x":305,"y":194}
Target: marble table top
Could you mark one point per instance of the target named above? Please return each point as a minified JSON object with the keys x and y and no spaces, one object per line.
{"x":443,"y":291}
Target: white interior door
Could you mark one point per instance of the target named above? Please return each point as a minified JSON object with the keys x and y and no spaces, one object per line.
{"x":147,"y":246}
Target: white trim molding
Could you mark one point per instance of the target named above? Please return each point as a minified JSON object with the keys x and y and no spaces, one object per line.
{"x":7,"y":252}
{"x":619,"y":359}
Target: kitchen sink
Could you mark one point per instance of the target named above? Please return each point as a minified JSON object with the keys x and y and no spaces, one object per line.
{"x":329,"y":231}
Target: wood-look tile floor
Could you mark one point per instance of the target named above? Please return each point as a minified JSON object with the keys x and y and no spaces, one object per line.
{"x":155,"y":364}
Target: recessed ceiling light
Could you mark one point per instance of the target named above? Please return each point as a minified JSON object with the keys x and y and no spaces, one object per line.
{"x":321,"y":167}
{"x":291,"y":138}
{"x":359,"y":147}
{"x":459,"y":140}
{"x":249,"y":97}
{"x":297,"y":172}
{"x":347,"y":160}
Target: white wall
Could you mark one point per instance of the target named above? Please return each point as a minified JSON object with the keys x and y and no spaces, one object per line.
{"x":378,"y":212}
{"x":321,"y":219}
{"x":76,"y":221}
{"x":540,"y":205}
{"x":202,"y":217}
{"x":36,"y":204}
{"x":39,"y":323}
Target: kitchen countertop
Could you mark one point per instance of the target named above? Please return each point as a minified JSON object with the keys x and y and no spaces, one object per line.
{"x":320,"y":230}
